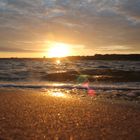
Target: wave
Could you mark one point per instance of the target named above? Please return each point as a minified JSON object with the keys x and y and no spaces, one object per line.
{"x":69,"y":87}
{"x":12,"y":70}
{"x":64,"y":76}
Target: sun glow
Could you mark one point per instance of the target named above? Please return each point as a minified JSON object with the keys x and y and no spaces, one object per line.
{"x":59,"y":50}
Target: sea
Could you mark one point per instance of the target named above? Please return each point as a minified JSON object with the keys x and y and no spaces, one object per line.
{"x":102,"y":76}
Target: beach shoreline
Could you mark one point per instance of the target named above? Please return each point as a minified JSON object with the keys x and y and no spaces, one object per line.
{"x":42,"y":114}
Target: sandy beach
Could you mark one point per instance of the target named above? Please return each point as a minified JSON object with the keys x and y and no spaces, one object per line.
{"x":37,"y":115}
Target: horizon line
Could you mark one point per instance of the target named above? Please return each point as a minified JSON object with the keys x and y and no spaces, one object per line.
{"x":45,"y":57}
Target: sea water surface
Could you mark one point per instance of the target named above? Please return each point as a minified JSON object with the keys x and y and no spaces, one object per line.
{"x":69,"y":74}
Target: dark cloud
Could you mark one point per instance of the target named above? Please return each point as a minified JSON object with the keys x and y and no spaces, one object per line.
{"x":93,"y":23}
{"x":130,"y":8}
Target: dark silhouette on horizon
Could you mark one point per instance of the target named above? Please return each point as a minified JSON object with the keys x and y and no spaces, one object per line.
{"x":121,"y":57}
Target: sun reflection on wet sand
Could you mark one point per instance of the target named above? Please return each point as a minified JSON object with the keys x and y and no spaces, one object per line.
{"x":58,"y":62}
{"x":58,"y":94}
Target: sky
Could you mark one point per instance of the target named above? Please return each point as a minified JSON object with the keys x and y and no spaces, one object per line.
{"x":88,"y":27}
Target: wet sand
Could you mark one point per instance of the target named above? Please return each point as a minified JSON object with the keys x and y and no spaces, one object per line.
{"x":38,"y":115}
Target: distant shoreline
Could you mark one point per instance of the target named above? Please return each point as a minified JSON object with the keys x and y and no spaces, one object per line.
{"x":120,"y":57}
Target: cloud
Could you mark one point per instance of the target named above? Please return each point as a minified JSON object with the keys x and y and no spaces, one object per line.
{"x":130,"y":8}
{"x":93,"y":23}
{"x":13,"y":49}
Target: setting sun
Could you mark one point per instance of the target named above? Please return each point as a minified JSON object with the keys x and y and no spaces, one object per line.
{"x":59,"y":50}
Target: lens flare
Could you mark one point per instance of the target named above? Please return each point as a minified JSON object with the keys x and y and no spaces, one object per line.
{"x":84,"y":82}
{"x":91,"y":92}
{"x":82,"y":79}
